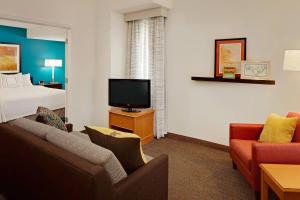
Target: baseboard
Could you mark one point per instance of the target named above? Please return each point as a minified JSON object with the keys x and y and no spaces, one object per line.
{"x":198,"y":141}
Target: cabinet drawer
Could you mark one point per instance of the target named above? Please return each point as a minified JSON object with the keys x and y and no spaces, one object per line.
{"x":121,"y":121}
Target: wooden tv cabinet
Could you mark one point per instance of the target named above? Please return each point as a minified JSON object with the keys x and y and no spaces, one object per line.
{"x":140,"y":123}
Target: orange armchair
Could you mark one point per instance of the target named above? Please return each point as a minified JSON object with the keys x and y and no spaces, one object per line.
{"x":247,"y":153}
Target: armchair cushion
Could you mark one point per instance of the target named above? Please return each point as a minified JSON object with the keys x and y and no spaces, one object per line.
{"x":297,"y":131}
{"x":243,"y":149}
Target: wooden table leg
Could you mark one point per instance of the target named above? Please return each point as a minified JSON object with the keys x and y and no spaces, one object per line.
{"x":264,"y":188}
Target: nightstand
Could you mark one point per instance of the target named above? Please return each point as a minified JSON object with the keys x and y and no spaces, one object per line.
{"x":54,"y":85}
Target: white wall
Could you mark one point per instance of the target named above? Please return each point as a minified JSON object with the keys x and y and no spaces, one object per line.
{"x":80,"y":15}
{"x":118,"y":45}
{"x":203,"y":109}
{"x":103,"y":63}
{"x":110,"y":59}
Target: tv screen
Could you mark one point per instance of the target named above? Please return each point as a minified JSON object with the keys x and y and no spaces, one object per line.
{"x":129,"y":93}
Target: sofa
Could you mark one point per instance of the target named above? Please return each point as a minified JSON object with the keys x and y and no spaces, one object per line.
{"x":33,"y":168}
{"x":247,"y":153}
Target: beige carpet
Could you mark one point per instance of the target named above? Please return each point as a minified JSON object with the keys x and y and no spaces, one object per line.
{"x":200,"y":173}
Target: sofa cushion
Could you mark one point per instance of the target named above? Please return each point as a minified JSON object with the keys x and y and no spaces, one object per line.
{"x":243,"y":149}
{"x":36,"y":128}
{"x":278,"y":129}
{"x":90,"y":152}
{"x":46,"y":116}
{"x":81,"y":135}
{"x":126,"y":146}
{"x":297,"y":131}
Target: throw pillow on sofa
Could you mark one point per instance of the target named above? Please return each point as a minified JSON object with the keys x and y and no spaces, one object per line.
{"x":278,"y":129}
{"x":126,"y":146}
{"x":46,"y":116}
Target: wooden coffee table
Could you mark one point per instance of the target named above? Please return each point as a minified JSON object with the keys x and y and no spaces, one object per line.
{"x":284,"y":180}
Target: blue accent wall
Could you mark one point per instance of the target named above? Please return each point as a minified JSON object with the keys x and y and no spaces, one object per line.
{"x":34,"y":52}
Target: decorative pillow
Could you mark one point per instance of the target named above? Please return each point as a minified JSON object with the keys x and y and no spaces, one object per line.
{"x":26,"y":80}
{"x":126,"y":146}
{"x":11,"y":81}
{"x":46,"y":116}
{"x":278,"y":129}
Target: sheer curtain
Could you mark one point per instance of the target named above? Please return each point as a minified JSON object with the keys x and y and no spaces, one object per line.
{"x":146,"y":60}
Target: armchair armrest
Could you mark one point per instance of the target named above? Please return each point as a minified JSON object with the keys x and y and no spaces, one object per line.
{"x":147,"y":183}
{"x":271,"y":153}
{"x":245,"y":131}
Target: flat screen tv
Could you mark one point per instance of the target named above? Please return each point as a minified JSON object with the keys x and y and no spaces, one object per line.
{"x":129,"y":94}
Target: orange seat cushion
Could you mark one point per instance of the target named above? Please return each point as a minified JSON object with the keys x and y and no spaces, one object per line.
{"x":243,"y":149}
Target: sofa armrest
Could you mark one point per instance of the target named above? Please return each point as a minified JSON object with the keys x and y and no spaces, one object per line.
{"x":245,"y":131}
{"x":147,"y":183}
{"x":271,"y":153}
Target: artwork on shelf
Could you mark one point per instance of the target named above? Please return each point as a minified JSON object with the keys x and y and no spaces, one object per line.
{"x":256,"y":70}
{"x":229,"y":53}
{"x":9,"y":58}
{"x":229,"y":72}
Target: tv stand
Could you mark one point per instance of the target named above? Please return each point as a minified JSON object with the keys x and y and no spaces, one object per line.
{"x":140,"y":123}
{"x":130,"y":110}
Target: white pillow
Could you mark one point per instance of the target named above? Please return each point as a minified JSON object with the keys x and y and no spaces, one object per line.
{"x":26,"y":80}
{"x":11,"y":81}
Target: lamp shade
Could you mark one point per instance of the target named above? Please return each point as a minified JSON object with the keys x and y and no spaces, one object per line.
{"x":292,"y":60}
{"x":53,"y":63}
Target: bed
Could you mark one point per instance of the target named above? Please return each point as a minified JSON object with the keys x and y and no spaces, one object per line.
{"x":23,"y":101}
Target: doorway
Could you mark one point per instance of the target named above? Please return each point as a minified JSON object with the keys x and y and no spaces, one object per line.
{"x":40,"y":46}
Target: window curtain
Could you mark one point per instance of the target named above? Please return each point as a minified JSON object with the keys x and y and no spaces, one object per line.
{"x":146,"y":60}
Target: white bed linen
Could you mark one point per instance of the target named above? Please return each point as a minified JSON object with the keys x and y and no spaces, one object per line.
{"x":24,"y":101}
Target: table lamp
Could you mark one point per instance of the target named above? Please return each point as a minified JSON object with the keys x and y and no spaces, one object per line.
{"x":292,"y":60}
{"x":53,"y":63}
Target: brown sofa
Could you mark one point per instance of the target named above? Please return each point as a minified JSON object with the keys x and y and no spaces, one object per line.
{"x":32,"y":168}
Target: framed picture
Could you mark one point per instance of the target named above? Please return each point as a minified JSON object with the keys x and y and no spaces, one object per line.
{"x":229,"y":53}
{"x":9,"y":58}
{"x":256,"y":70}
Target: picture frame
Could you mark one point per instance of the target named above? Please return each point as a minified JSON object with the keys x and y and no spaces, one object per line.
{"x":256,"y":70}
{"x":10,"y":58}
{"x":229,"y":53}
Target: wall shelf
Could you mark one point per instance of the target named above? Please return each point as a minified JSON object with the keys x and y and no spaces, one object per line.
{"x":209,"y":79}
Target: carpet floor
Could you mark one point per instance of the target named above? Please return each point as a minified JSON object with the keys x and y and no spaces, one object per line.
{"x":200,"y":173}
